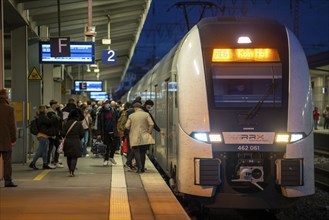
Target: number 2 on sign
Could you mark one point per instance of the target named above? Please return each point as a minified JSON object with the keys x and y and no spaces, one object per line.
{"x":111,"y":54}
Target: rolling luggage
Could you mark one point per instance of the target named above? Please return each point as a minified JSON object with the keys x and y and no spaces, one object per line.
{"x":98,"y":147}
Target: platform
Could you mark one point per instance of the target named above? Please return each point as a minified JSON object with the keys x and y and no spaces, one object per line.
{"x":96,"y":192}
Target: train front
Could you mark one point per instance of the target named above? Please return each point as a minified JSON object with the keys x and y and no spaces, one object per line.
{"x":248,"y":137}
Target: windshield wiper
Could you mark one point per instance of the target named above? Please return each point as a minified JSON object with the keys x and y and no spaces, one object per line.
{"x":252,"y":112}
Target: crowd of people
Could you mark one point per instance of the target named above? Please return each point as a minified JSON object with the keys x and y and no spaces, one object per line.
{"x":79,"y":123}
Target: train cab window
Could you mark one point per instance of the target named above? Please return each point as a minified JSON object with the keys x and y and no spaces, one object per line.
{"x":246,"y":84}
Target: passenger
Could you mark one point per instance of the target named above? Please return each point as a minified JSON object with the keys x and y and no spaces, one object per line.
{"x":54,"y":141}
{"x":107,"y":131}
{"x":122,"y":126}
{"x":72,"y":146}
{"x":326,"y":117}
{"x":69,"y":106}
{"x":147,"y":107}
{"x":117,"y":142}
{"x":140,"y":126}
{"x":7,"y":136}
{"x":131,"y":155}
{"x":316,"y":117}
{"x":86,"y":124}
{"x":44,"y":125}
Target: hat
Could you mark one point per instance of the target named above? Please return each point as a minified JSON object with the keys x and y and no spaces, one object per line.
{"x":149,"y":102}
{"x":137,"y":104}
{"x":3,"y":93}
{"x":135,"y":101}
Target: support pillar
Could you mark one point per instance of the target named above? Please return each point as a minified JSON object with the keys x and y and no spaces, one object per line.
{"x":19,"y":88}
{"x":2,"y":57}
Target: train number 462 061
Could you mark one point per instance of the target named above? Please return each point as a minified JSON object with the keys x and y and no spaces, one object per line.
{"x":248,"y":147}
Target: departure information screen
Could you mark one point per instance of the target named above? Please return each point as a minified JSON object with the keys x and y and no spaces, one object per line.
{"x":81,"y":53}
{"x":88,"y":85}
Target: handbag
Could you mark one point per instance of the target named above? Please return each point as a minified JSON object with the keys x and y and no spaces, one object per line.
{"x":125,"y":146}
{"x":60,"y":149}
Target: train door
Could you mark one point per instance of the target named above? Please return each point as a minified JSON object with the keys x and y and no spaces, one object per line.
{"x":169,"y":124}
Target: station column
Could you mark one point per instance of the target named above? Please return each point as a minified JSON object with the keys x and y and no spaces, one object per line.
{"x":19,"y":85}
{"x":2,"y":57}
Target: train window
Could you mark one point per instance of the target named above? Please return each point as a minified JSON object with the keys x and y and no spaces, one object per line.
{"x":246,"y":84}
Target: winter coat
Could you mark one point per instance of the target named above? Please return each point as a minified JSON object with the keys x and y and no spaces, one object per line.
{"x":45,"y":125}
{"x":56,"y":123}
{"x":72,"y":144}
{"x":7,"y":126}
{"x":107,"y":122}
{"x":68,"y":108}
{"x":140,"y":126}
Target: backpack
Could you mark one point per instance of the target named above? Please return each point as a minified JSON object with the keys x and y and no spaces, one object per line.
{"x":34,"y":127}
{"x":122,"y":121}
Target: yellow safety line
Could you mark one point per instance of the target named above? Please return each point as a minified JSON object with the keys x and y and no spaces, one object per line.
{"x":41,"y":175}
{"x":119,"y":203}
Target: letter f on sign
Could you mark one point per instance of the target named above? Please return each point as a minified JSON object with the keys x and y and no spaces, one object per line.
{"x":60,"y":47}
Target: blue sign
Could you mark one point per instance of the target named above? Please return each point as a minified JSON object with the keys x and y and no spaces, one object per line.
{"x":109,"y":56}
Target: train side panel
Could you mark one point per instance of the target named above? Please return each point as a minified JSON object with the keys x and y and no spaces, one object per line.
{"x":193,"y":113}
{"x":300,"y":118}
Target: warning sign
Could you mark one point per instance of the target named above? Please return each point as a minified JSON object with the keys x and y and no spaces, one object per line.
{"x":34,"y":74}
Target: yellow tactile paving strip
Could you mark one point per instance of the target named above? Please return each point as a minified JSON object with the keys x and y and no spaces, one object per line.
{"x":119,"y":205}
{"x":41,"y":175}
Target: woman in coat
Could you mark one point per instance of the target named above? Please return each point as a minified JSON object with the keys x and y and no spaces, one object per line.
{"x":140,"y":126}
{"x":72,"y":145}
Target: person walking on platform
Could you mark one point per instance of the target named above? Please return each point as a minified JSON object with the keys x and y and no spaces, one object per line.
{"x":140,"y":126}
{"x":107,"y":131}
{"x":73,"y":132}
{"x":7,"y":136}
{"x":326,"y":117}
{"x":316,"y":117}
{"x":86,"y":124}
{"x":54,"y":141}
{"x":45,"y":131}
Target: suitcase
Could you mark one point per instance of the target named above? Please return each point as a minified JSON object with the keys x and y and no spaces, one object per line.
{"x":98,"y":148}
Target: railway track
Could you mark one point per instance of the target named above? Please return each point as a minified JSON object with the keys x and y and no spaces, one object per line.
{"x":321,"y":168}
{"x":322,"y":178}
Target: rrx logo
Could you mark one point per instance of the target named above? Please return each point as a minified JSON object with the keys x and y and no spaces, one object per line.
{"x":252,"y":137}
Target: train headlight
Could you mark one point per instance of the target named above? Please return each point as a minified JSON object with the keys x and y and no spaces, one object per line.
{"x":215,"y":137}
{"x":200,"y":136}
{"x":289,"y":138}
{"x":296,"y":137}
{"x":282,"y":138}
{"x":206,"y":137}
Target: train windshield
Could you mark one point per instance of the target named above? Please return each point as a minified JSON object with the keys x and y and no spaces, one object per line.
{"x":243,"y":85}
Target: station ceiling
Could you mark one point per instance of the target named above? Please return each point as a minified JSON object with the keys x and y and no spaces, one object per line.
{"x":118,"y":20}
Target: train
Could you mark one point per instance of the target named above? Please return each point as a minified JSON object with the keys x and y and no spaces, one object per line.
{"x":234,"y":99}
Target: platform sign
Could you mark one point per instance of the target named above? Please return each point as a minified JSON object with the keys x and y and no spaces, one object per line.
{"x":60,"y":47}
{"x":109,"y":56}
